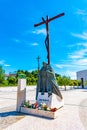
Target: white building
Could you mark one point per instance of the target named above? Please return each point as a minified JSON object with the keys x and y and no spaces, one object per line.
{"x":82,"y":75}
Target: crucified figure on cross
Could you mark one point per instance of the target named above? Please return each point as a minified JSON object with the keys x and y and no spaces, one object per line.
{"x":47,"y":43}
{"x":47,"y":39}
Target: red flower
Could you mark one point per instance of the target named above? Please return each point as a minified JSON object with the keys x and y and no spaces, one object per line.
{"x":53,"y":109}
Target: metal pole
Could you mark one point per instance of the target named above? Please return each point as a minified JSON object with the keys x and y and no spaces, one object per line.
{"x":38,"y":59}
{"x":48,"y":41}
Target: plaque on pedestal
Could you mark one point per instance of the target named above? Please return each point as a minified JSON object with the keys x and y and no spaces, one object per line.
{"x":44,"y":98}
{"x":50,"y":100}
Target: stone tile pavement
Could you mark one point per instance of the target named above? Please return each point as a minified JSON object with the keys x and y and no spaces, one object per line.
{"x":73,"y":116}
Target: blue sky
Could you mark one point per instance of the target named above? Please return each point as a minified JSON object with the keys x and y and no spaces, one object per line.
{"x":21,"y":43}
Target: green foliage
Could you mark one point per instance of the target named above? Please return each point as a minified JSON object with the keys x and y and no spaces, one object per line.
{"x":85,"y":83}
{"x":59,"y":80}
{"x":31,"y":81}
{"x":57,"y":75}
{"x":12,"y":80}
{"x":32,"y":77}
{"x":63,"y":81}
{"x":27,"y":73}
{"x":76,"y":82}
{"x":66,"y":81}
{"x":2,"y":74}
{"x":19,"y":72}
{"x":22,"y":76}
{"x":5,"y":83}
{"x":35,"y":73}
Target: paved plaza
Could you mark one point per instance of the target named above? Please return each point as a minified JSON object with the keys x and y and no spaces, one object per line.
{"x":73,"y":116}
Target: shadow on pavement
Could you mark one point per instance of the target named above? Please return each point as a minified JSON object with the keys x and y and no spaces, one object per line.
{"x":83,"y":113}
{"x":11,"y":113}
{"x":9,"y":117}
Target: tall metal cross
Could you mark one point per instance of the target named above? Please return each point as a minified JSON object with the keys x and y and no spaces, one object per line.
{"x":47,"y":42}
{"x":38,"y":59}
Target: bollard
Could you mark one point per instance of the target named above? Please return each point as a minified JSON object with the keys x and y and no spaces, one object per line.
{"x":21,"y":91}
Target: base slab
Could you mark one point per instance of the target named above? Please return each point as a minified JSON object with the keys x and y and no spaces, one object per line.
{"x":41,"y":113}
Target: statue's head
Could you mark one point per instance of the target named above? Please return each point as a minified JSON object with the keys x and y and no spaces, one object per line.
{"x":44,"y":64}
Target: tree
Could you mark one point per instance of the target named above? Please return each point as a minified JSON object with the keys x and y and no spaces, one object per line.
{"x":27,"y":73}
{"x":2,"y":75}
{"x":74,"y":83}
{"x":57,"y":75}
{"x":59,"y":81}
{"x":12,"y":80}
{"x":71,"y":83}
{"x":85,"y":83}
{"x":35,"y":73}
{"x":63,"y":81}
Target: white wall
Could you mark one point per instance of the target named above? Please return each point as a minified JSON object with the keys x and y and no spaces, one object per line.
{"x":82,"y":74}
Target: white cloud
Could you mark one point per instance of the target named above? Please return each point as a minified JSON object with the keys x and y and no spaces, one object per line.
{"x":62,"y":65}
{"x":2,"y":62}
{"x":34,"y":44}
{"x":40,"y":31}
{"x":82,"y":62}
{"x":81,"y":44}
{"x":75,"y":56}
{"x":81,"y":12}
{"x":71,"y":74}
{"x":84,"y":44}
{"x":7,"y":65}
{"x":78,"y":54}
{"x":82,"y":36}
{"x":72,"y":67}
{"x":68,"y":70}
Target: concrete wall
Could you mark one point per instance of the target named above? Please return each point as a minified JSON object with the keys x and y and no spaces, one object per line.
{"x":82,"y":74}
{"x":21,"y":93}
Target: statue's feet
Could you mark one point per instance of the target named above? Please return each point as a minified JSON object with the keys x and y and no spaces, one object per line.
{"x":42,"y":93}
{"x":49,"y":94}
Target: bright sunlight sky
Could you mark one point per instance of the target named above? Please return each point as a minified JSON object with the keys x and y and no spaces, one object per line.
{"x":21,"y":43}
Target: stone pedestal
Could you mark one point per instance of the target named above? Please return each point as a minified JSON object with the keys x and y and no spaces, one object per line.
{"x":52,"y":101}
{"x":21,"y":93}
{"x":56,"y":102}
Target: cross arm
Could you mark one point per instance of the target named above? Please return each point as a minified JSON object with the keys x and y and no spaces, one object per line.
{"x":57,"y":16}
{"x":35,"y":25}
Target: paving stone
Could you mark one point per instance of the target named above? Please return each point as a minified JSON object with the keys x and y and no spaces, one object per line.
{"x":73,"y":116}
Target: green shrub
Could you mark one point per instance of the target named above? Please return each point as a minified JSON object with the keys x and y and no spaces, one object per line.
{"x":5,"y":82}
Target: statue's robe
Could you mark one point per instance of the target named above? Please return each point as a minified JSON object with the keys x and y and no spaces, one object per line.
{"x":47,"y":81}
